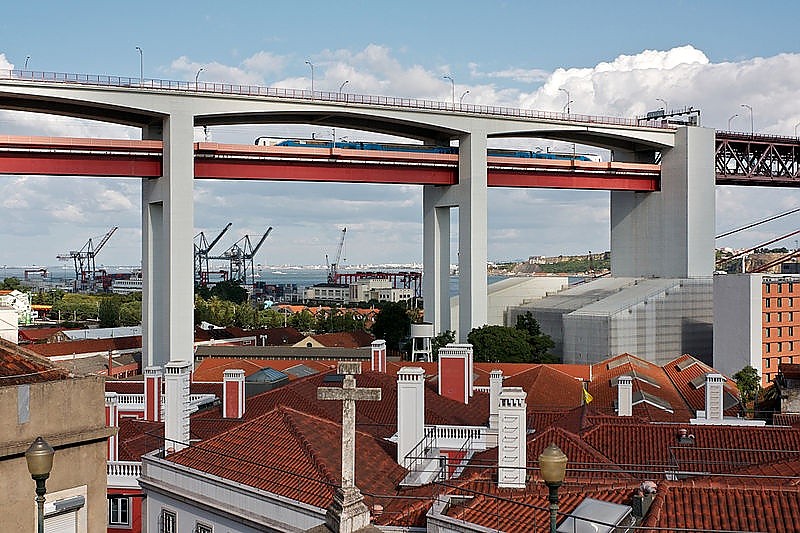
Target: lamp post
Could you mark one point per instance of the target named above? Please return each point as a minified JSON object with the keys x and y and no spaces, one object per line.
{"x":553,"y":467}
{"x":729,"y":120}
{"x":461,"y":98}
{"x":452,"y":88}
{"x":569,"y":101}
{"x":27,"y":58}
{"x":345,"y":82}
{"x":197,"y":76}
{"x":752,"y":129}
{"x":310,"y":64}
{"x":39,"y":457}
{"x":141,"y":64}
{"x":663,"y":102}
{"x":795,"y":128}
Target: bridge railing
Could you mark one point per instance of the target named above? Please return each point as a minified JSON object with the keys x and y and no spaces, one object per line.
{"x":302,"y":94}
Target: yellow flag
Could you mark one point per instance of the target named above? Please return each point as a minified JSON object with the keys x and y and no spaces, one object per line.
{"x":586,"y":396}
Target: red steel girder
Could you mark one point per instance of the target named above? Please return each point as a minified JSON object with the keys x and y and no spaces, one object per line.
{"x":760,"y":160}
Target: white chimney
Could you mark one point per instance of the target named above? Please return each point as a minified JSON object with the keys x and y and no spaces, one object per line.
{"x":495,"y":386}
{"x":379,"y":355}
{"x":455,"y":372}
{"x":176,"y":408}
{"x":233,"y":393}
{"x":152,"y":393}
{"x":112,"y":421}
{"x":714,"y":403}
{"x":625,"y":396}
{"x":512,"y":442}
{"x":410,"y":410}
{"x":421,"y":336}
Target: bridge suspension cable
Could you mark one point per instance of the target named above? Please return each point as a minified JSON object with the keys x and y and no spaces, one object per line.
{"x":768,"y":219}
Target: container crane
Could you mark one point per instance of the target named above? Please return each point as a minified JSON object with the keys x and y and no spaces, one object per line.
{"x":84,"y":261}
{"x":201,"y":251}
{"x":333,"y":268}
{"x":240,"y":257}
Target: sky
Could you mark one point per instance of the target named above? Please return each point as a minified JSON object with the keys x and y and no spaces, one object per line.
{"x":618,"y":58}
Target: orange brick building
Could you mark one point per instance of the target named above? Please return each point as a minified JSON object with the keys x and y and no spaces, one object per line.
{"x":780,"y":311}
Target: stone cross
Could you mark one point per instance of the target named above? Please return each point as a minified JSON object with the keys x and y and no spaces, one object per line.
{"x":348,"y":512}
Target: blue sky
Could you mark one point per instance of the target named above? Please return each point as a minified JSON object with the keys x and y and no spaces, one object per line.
{"x":615,"y":58}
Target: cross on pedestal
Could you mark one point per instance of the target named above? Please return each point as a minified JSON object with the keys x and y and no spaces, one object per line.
{"x":348,"y":512}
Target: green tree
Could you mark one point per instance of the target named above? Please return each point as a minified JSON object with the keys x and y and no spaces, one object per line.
{"x":108,"y":313}
{"x":541,"y":344}
{"x":441,"y":340}
{"x":230,"y":291}
{"x":303,"y":321}
{"x":130,"y":313}
{"x":500,"y":344}
{"x":749,"y":383}
{"x":11,"y":284}
{"x":392,"y":324}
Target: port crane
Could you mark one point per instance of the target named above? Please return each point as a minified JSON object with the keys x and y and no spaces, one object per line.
{"x":240,"y":257}
{"x":201,"y":250}
{"x":84,"y":261}
{"x":333,"y":268}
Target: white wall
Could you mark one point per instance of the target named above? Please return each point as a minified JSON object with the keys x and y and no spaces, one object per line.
{"x":737,"y":322}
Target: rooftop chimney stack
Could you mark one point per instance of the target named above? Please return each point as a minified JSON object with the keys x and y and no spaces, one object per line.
{"x":233,"y":393}
{"x":512,"y":442}
{"x":495,"y":387}
{"x":714,"y":404}
{"x":421,"y":348}
{"x":152,"y":393}
{"x":379,"y":356}
{"x":455,"y":372}
{"x":410,"y":410}
{"x":112,"y":421}
{"x":625,"y":396}
{"x":176,"y":408}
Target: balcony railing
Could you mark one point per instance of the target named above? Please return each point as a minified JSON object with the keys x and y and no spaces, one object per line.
{"x":123,"y":474}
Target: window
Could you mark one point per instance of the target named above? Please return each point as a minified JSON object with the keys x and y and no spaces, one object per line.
{"x":780,"y":331}
{"x":202,"y":528}
{"x":766,"y":317}
{"x":780,"y":288}
{"x":780,"y":302}
{"x":767,"y":303}
{"x":766,"y":348}
{"x":768,"y":287}
{"x":169,"y":522}
{"x":119,"y":511}
{"x":766,"y":333}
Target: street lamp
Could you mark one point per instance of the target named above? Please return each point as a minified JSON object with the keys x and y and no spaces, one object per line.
{"x":553,"y":467}
{"x":795,"y":128}
{"x":27,"y":58}
{"x":141,"y":64}
{"x":566,"y":106}
{"x":452,"y":87}
{"x":345,"y":82}
{"x":729,"y":120}
{"x":461,"y":98}
{"x":39,"y":457}
{"x":752,"y":129}
{"x":310,"y":64}
{"x":197,"y":76}
{"x":663,"y":102}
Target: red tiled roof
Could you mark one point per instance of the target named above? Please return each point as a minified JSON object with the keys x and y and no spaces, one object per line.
{"x":211,"y":369}
{"x":696,"y":369}
{"x":37,"y":334}
{"x":345,"y":339}
{"x":19,"y":366}
{"x":84,"y":346}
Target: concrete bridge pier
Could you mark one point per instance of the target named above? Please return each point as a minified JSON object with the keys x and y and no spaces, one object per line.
{"x":470,"y":196}
{"x":668,"y":233}
{"x":167,"y":246}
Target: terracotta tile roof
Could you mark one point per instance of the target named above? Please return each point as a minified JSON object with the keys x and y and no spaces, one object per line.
{"x":19,"y":366}
{"x":345,"y":339}
{"x":85,"y":346}
{"x":786,"y":419}
{"x":211,"y":369}
{"x":37,"y":334}
{"x":686,"y":369}
{"x":548,"y":387}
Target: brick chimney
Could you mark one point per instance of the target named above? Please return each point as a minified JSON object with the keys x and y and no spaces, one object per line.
{"x":152,"y":393}
{"x":233,"y":393}
{"x":625,"y":396}
{"x":379,"y":356}
{"x":455,"y":372}
{"x":714,"y":404}
{"x":410,"y":410}
{"x":495,"y":387}
{"x":112,"y":421}
{"x":176,"y":408}
{"x":512,"y":442}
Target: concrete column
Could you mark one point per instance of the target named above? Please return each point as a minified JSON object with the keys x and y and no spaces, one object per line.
{"x":472,"y":233}
{"x":176,"y":408}
{"x":167,"y":246}
{"x":436,"y":258}
{"x":495,"y":387}
{"x":410,"y":410}
{"x":379,"y":355}
{"x":152,"y":393}
{"x":625,"y":396}
{"x":512,"y":450}
{"x":669,"y":233}
{"x":112,"y":421}
{"x":714,"y":403}
{"x":233,"y":393}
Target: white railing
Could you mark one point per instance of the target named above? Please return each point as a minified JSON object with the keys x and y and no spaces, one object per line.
{"x":123,"y":474}
{"x":458,"y":437}
{"x":326,"y":96}
{"x":130,"y":399}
